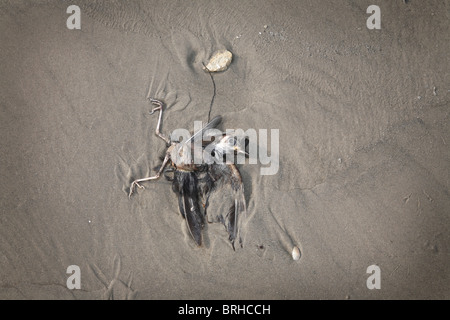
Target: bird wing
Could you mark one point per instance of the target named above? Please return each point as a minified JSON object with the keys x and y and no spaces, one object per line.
{"x":212,"y":124}
{"x":228,"y":174}
{"x":185,"y":185}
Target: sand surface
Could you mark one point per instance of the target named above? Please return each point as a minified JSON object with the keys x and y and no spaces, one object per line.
{"x":364,"y":148}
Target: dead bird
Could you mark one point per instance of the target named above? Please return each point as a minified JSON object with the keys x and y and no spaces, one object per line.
{"x":193,"y":183}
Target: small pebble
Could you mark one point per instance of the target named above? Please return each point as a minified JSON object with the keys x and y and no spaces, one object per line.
{"x":295,"y":253}
{"x":219,"y":61}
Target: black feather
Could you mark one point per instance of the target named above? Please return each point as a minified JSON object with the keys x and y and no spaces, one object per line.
{"x":185,"y":184}
{"x":181,"y":205}
{"x":221,"y":175}
{"x":231,"y":227}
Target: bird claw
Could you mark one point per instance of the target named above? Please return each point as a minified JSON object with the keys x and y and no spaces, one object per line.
{"x":157,"y":103}
{"x":155,"y":109}
{"x":134,"y":183}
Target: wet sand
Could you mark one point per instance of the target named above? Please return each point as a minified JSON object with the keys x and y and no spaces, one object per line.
{"x":364,"y":148}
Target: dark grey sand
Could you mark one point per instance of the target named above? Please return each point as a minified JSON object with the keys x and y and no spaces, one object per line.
{"x":364,"y":148}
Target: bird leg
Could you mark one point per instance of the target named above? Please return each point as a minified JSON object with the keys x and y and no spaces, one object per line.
{"x":159,"y":107}
{"x":155,"y":177}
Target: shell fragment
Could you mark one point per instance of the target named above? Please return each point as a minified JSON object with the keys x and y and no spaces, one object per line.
{"x":219,"y":61}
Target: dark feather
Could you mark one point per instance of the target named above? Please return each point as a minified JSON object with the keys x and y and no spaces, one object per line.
{"x":185,"y":184}
{"x":181,"y":205}
{"x":194,"y":218}
{"x":231,"y":219}
{"x":229,"y":174}
{"x":212,"y":124}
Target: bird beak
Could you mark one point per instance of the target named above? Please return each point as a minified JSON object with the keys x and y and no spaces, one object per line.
{"x":239,"y":150}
